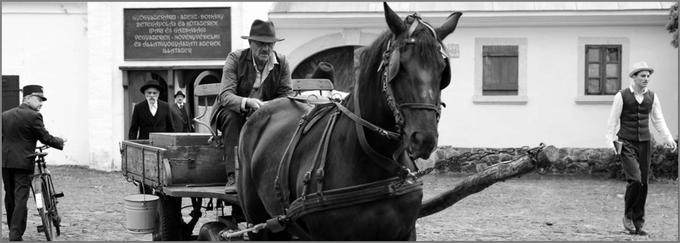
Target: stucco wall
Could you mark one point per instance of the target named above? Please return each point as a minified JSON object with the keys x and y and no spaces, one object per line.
{"x":46,"y":44}
{"x":551,"y":114}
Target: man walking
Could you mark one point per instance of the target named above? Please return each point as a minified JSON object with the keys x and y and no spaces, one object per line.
{"x":633,"y":109}
{"x":22,"y":127}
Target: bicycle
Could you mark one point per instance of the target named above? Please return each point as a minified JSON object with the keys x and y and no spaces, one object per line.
{"x":45,"y":196}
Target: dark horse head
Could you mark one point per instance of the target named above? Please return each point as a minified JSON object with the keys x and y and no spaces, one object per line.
{"x":409,"y":64}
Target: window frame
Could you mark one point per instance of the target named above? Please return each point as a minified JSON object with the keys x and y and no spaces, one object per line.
{"x":501,"y":51}
{"x":603,"y":67}
{"x":521,"y":97}
{"x":581,"y":97}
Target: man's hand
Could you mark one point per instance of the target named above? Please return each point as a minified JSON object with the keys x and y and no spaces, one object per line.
{"x":254,"y":104}
{"x":672,"y":145}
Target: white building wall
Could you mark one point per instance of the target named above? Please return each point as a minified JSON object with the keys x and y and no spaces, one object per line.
{"x":75,"y":50}
{"x":46,"y":44}
{"x":551,"y":114}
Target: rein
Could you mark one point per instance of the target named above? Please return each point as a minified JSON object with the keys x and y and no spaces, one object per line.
{"x":403,"y":183}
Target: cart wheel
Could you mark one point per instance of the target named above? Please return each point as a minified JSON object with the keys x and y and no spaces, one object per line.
{"x":210,"y":231}
{"x":169,"y":222}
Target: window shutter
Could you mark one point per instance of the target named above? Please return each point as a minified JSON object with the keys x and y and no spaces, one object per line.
{"x":500,"y":71}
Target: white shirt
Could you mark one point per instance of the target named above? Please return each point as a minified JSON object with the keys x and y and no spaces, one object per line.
{"x":260,"y":77}
{"x":655,"y":118}
{"x":153,"y":107}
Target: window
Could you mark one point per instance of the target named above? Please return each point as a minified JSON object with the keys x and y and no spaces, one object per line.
{"x":603,"y":69}
{"x":500,"y":70}
{"x":599,"y":68}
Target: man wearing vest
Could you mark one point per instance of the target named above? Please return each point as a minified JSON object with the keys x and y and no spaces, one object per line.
{"x":634,"y":108}
{"x":250,"y":77}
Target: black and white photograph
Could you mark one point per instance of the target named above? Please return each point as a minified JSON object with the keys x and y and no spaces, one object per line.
{"x":339,"y":121}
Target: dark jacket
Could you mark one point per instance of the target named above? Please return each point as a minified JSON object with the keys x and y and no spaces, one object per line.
{"x":22,"y":127}
{"x":145,"y":123}
{"x":180,"y":118}
{"x":238,"y":78}
{"x":272,"y":87}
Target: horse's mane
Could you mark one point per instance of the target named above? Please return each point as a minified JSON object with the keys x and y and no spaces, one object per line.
{"x":425,"y":46}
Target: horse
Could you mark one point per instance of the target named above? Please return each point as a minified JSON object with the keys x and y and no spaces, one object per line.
{"x":345,"y":171}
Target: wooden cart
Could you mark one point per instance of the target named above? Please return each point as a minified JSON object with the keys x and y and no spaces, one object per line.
{"x":174,"y":166}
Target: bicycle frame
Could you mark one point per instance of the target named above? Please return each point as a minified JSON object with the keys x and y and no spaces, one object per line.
{"x":45,"y":197}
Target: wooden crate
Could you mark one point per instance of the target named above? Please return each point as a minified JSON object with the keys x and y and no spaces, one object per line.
{"x":196,"y":165}
{"x":165,"y":140}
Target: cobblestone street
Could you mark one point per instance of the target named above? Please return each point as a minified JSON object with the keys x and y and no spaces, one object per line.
{"x":525,"y":209}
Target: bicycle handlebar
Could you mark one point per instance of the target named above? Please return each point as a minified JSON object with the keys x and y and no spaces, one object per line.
{"x":40,"y":151}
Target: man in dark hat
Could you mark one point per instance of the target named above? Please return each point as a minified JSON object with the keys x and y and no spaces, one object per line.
{"x":22,"y":127}
{"x":180,"y":114}
{"x":151,"y":115}
{"x":250,"y":77}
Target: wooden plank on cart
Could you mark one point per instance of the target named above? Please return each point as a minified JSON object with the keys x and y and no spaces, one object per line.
{"x":141,"y":162}
{"x":165,"y":140}
{"x":202,"y":191}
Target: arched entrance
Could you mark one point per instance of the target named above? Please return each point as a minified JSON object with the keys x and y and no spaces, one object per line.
{"x":203,"y":99}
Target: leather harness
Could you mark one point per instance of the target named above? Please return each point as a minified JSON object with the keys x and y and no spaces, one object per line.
{"x":310,"y":202}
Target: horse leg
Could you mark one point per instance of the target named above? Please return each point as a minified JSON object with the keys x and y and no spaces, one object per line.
{"x":412,"y":236}
{"x":253,"y":207}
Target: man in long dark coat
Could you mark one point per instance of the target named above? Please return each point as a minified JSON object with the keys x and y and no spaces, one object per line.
{"x":151,"y":115}
{"x":180,"y":114}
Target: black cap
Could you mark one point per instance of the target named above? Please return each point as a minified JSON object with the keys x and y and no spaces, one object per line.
{"x":180,"y":93}
{"x":33,"y":89}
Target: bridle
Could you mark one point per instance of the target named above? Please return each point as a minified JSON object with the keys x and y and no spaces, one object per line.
{"x":389,"y":67}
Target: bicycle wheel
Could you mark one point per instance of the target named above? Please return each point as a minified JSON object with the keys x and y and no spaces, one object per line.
{"x":43,"y":202}
{"x":52,"y":206}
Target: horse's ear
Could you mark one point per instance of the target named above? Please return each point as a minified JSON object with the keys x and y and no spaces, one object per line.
{"x":449,"y":25}
{"x":393,"y":21}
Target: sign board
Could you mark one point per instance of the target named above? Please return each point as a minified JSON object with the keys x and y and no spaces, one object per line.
{"x":177,"y":33}
{"x":453,"y":50}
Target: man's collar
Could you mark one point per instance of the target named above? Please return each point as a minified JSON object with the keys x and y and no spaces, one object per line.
{"x":24,"y":105}
{"x":272,"y":59}
{"x":630,"y":87}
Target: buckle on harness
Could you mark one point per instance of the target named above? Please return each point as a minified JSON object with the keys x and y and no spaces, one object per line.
{"x":277,"y":224}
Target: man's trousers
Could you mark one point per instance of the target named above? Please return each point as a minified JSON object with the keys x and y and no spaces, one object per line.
{"x":17,"y":188}
{"x":636,"y":159}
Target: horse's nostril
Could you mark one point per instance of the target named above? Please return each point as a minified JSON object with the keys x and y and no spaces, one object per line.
{"x":417,"y":138}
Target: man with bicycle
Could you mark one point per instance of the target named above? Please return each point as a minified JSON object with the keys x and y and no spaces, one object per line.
{"x":22,"y":127}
